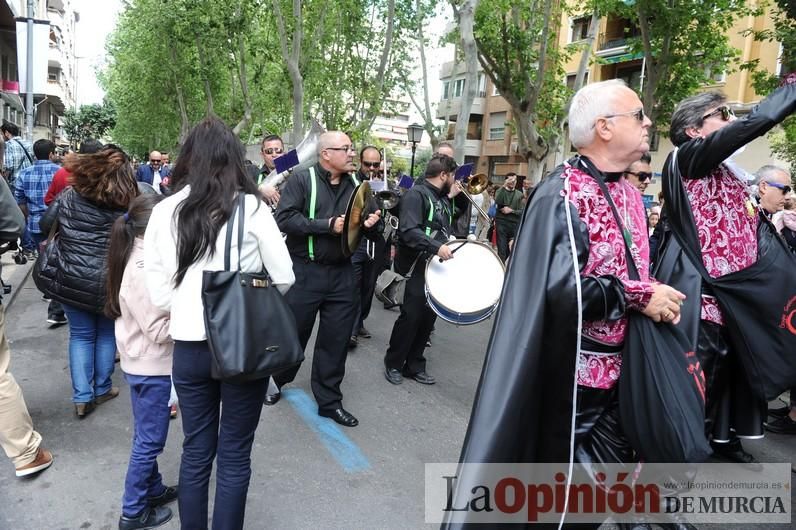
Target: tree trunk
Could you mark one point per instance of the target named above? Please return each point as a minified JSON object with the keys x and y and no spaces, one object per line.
{"x":244,"y":88}
{"x":203,"y":68}
{"x":466,"y":16}
{"x":292,"y":54}
{"x":185,"y":124}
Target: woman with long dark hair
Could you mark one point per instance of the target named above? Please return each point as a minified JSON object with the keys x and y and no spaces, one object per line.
{"x":186,"y":236}
{"x":103,"y":184}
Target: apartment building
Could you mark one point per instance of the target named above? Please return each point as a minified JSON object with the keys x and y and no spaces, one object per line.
{"x":490,"y":143}
{"x":61,"y":67}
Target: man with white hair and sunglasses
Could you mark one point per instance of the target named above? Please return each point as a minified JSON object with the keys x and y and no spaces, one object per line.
{"x":548,"y":390}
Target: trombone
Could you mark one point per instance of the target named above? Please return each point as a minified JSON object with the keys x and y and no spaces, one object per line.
{"x":473,"y":185}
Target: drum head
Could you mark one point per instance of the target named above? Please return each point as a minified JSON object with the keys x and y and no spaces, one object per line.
{"x":465,"y":289}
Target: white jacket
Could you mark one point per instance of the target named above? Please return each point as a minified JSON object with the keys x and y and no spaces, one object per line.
{"x":262,"y":245}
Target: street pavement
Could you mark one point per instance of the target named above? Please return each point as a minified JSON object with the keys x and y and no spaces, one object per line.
{"x":307,"y":471}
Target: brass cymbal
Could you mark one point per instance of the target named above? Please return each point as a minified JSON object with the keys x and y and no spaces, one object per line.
{"x":355,"y":215}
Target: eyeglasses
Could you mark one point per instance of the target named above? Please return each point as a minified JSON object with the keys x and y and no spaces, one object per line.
{"x":643,"y":176}
{"x":782,"y":187}
{"x":346,"y":148}
{"x":273,"y":150}
{"x":725,"y":112}
{"x":638,"y":114}
{"x":372,"y":165}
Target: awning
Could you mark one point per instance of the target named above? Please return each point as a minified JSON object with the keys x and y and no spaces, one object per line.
{"x":625,"y":57}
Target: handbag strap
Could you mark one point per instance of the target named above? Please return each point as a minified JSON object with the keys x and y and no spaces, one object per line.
{"x":632,"y":271}
{"x":238,"y":207}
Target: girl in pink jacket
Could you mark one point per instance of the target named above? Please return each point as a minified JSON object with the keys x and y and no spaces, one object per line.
{"x":145,"y":347}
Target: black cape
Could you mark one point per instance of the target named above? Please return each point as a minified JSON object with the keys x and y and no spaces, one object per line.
{"x":524,"y":402}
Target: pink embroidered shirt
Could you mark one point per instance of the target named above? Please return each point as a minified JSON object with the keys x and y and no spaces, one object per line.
{"x":727,"y":230}
{"x":607,"y":257}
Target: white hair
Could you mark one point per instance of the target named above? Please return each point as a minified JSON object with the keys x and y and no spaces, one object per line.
{"x":588,"y":104}
{"x":769,"y":171}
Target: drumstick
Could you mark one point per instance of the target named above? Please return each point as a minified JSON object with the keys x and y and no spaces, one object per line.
{"x":457,"y":248}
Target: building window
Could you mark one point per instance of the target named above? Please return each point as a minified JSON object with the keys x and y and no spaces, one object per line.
{"x":631,"y":76}
{"x":481,"y":86}
{"x":446,"y":88}
{"x":53,"y":74}
{"x":571,"y":80}
{"x":497,"y":126}
{"x":580,"y":29}
{"x":715,"y":75}
{"x":458,"y":88}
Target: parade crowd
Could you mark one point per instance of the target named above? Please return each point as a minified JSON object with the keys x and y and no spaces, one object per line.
{"x":121,"y":252}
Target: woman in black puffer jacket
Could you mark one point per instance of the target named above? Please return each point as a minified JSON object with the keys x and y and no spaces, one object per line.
{"x":103,"y":184}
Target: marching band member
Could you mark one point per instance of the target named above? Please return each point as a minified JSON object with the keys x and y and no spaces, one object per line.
{"x":310,"y":212}
{"x":427,"y":213}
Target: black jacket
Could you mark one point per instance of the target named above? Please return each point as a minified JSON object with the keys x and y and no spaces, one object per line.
{"x":83,"y":236}
{"x":413,"y":221}
{"x":293,"y":215}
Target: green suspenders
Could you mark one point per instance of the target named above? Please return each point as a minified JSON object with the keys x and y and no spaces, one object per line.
{"x":313,"y":199}
{"x":430,"y":216}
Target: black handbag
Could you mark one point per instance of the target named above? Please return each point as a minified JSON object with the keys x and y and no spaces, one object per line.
{"x":251,"y":331}
{"x":661,"y":386}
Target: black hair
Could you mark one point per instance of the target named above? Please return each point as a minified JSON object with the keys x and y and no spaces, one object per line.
{"x":211,"y":162}
{"x":89,"y":146}
{"x":123,"y":233}
{"x":439,"y":164}
{"x":646,"y":158}
{"x":272,"y":138}
{"x":43,"y":148}
{"x":10,"y":128}
{"x":689,"y":112}
{"x":362,"y":151}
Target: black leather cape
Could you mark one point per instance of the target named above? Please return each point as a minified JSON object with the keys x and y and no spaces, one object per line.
{"x":524,"y":404}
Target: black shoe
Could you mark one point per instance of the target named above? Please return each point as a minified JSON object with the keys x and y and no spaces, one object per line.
{"x":424,"y":378}
{"x":168,"y":495}
{"x":783,"y":425}
{"x":364,"y":333}
{"x":353,"y":342}
{"x":734,"y":452}
{"x":56,"y":319}
{"x":781,"y":412}
{"x":393,"y":376}
{"x":428,"y":343}
{"x":149,"y":518}
{"x":272,"y":399}
{"x":46,"y":298}
{"x":341,"y":416}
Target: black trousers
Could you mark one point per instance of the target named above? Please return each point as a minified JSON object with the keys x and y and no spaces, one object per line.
{"x":328,"y":290}
{"x":506,"y":230}
{"x":366,"y":270}
{"x":412,"y":329}
{"x":731,"y":410}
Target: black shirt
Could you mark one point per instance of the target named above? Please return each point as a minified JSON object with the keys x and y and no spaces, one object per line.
{"x":412,"y":238}
{"x":293,"y":216}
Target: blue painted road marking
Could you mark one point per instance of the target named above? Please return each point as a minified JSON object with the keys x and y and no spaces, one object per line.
{"x":340,"y":446}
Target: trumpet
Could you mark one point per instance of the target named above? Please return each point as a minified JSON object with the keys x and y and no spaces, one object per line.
{"x":473,"y":185}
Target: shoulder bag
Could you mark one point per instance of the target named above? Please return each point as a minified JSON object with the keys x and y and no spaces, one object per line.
{"x":251,"y":331}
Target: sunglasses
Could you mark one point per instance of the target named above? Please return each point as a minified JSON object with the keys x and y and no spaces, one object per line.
{"x":725,"y":112}
{"x":638,"y":114}
{"x":273,"y":151}
{"x":785,"y":189}
{"x":372,"y":165}
{"x":643,"y":176}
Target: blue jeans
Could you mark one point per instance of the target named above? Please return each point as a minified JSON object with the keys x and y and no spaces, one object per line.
{"x":92,"y":352}
{"x":218,"y":422}
{"x":150,"y":399}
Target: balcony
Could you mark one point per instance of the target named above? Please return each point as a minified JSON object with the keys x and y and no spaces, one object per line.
{"x":451,"y":108}
{"x":472,"y":148}
{"x":56,"y":18}
{"x":610,"y":46}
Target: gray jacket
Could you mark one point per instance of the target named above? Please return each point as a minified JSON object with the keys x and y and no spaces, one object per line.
{"x":12,"y":222}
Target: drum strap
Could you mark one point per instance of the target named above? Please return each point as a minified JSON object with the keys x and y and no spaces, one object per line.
{"x":313,"y":198}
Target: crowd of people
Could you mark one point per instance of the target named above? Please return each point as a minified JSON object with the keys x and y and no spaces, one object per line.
{"x":121,"y":253}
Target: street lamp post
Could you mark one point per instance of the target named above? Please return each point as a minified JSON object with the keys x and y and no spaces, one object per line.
{"x":414,"y":133}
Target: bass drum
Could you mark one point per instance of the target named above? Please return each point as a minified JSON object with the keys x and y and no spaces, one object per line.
{"x":466,"y":289}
